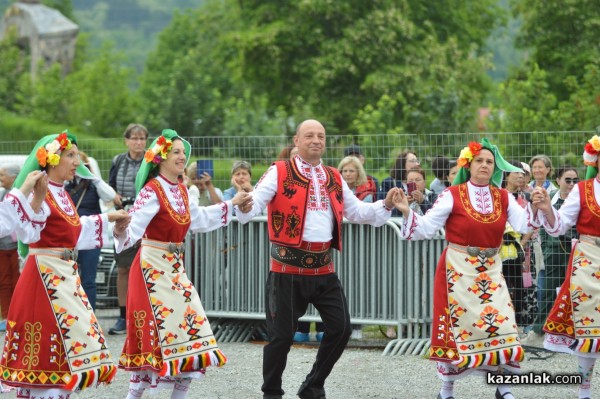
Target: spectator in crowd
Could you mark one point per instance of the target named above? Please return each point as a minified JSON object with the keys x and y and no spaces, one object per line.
{"x":372,"y":184}
{"x":169,"y":340}
{"x":541,"y":168}
{"x":56,"y":345}
{"x":121,"y":178}
{"x":86,"y":194}
{"x":201,"y":189}
{"x":286,"y":152}
{"x":241,"y":179}
{"x":526,"y":188}
{"x":397,"y":178}
{"x":441,"y":170}
{"x":453,"y":172}
{"x":9,"y":258}
{"x":420,"y":199}
{"x":311,"y":210}
{"x":571,"y":326}
{"x":515,"y":263}
{"x":469,"y":314}
{"x":355,"y":177}
{"x":556,"y":251}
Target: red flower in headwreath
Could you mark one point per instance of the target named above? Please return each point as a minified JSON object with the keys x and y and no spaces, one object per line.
{"x":468,"y":153}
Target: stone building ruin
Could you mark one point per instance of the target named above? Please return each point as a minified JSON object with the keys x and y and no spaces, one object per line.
{"x":46,"y":34}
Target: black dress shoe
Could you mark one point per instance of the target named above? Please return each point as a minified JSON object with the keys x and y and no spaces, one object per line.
{"x":502,"y":395}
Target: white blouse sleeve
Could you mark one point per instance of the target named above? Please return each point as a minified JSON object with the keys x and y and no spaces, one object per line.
{"x":566,"y":217}
{"x":209,"y":218}
{"x":519,"y":218}
{"x":94,"y":231}
{"x":419,"y":227}
{"x":145,"y":207}
{"x":358,"y":211}
{"x":16,"y":215}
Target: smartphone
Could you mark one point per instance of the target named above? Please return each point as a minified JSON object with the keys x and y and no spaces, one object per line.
{"x":205,"y":165}
{"x":410,"y":187}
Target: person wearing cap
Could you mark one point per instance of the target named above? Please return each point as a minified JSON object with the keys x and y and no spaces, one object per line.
{"x":241,"y":179}
{"x":169,"y":340}
{"x":57,"y":347}
{"x":372,"y":184}
{"x":474,"y":327}
{"x":306,"y":202}
{"x":571,"y":326}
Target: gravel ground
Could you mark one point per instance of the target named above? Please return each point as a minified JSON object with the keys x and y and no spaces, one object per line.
{"x":362,"y":372}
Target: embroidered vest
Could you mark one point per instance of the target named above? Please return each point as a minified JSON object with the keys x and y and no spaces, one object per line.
{"x":589,"y":213}
{"x":168,"y":225}
{"x":465,"y":226}
{"x":287,"y":209}
{"x":62,"y":230}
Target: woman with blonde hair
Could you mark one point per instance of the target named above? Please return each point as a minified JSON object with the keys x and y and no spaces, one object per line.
{"x":355,"y":176}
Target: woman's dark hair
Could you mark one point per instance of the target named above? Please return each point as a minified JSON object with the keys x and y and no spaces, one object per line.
{"x":561,"y":171}
{"x":398,"y":171}
{"x":440,"y":166}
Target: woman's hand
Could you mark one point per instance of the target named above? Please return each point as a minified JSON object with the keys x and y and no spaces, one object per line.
{"x":243,"y":201}
{"x":121,"y":219}
{"x":417,"y":196}
{"x":401,"y":203}
{"x":32,"y":180}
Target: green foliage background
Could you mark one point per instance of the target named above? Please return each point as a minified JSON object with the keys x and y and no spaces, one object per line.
{"x":250,"y":68}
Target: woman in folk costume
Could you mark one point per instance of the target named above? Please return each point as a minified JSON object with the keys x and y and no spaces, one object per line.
{"x":474,"y":326}
{"x":169,"y":340}
{"x":54,"y":345}
{"x":573,"y":323}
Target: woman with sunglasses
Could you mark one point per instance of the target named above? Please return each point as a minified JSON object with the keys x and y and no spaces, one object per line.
{"x":572,"y":325}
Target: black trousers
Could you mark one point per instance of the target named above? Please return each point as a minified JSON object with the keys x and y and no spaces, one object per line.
{"x":287,"y":298}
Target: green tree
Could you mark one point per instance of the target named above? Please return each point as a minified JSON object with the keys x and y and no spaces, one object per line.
{"x":14,"y":65}
{"x":563,"y":36}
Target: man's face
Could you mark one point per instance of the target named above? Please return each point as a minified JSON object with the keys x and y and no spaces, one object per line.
{"x":136,"y":143}
{"x":310,"y":140}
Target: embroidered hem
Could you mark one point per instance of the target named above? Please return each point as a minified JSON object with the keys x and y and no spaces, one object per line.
{"x":71,"y":382}
{"x":496,"y":358}
{"x":178,"y":366}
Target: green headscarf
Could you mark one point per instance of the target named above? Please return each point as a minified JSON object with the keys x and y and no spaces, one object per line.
{"x":153,"y":153}
{"x":32,"y":163}
{"x":500,"y":167}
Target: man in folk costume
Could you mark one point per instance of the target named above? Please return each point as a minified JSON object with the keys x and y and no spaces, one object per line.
{"x":169,"y":340}
{"x":306,"y":204}
{"x":474,"y":326}
{"x":57,"y":347}
{"x":573,"y":323}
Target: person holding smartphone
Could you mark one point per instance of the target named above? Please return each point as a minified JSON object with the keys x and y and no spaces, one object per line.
{"x":420,"y":199}
{"x":201,"y":188}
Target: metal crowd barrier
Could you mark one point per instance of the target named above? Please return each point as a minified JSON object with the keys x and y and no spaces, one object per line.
{"x":387,"y":280}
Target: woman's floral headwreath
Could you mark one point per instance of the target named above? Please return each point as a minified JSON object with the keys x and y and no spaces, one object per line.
{"x":50,"y":153}
{"x":468,"y":153}
{"x":590,"y":153}
{"x":159,"y":152}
